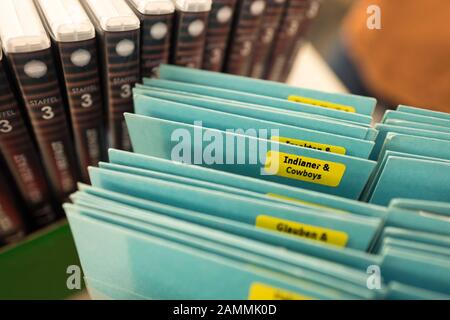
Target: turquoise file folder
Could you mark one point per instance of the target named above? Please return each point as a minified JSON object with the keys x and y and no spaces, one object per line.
{"x":414,"y":235}
{"x":417,"y":125}
{"x":442,"y":208}
{"x":230,"y":112}
{"x":363,"y":105}
{"x":210,"y":186}
{"x":274,"y":190}
{"x":418,"y":220}
{"x":292,"y":118}
{"x":154,"y":137}
{"x":128,"y":260}
{"x":259,"y":128}
{"x":384,"y":129}
{"x":321,"y":272}
{"x":399,"y":291}
{"x":423,"y":112}
{"x":421,"y":146}
{"x":412,"y":178}
{"x":381,"y":165}
{"x":345,"y":256}
{"x":438,"y":251}
{"x":390,"y":264}
{"x":397,"y":265}
{"x":398,"y":115}
{"x":333,"y":228}
{"x":233,"y":95}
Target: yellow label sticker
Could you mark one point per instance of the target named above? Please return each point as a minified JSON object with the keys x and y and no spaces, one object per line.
{"x":323,"y":104}
{"x":312,"y":204}
{"x":311,"y":145}
{"x":259,"y":291}
{"x":297,"y":229}
{"x":302,"y":168}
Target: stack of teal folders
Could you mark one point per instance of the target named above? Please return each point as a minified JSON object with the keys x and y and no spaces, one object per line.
{"x":249,"y":189}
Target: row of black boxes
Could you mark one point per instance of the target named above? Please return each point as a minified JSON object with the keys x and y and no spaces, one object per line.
{"x":68,"y":68}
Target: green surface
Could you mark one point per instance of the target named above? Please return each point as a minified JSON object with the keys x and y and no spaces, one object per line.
{"x":36,"y":268}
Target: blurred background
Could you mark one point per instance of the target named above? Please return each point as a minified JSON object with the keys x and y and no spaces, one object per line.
{"x":325,"y":29}
{"x":406,"y":61}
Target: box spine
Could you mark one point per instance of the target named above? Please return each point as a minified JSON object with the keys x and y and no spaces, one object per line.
{"x":314,"y":6}
{"x":121,"y":71}
{"x":189,"y":38}
{"x":218,"y":33}
{"x":155,"y":42}
{"x":21,"y":156}
{"x":79,"y":64}
{"x":37,"y":79}
{"x":245,"y":30}
{"x":293,"y":16}
{"x":269,"y":26}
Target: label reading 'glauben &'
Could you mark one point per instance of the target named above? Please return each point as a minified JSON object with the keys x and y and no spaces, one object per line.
{"x":297,"y":229}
